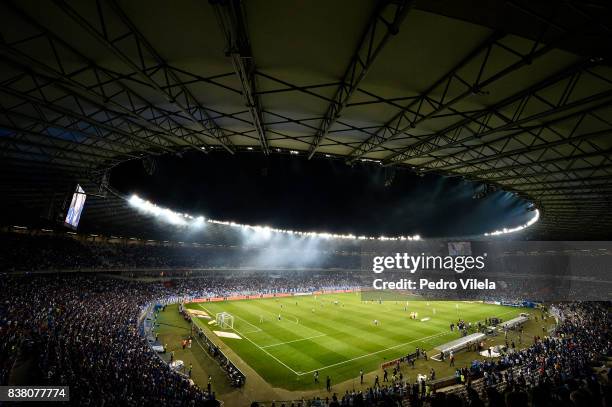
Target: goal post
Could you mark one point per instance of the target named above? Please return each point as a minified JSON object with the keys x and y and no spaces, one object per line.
{"x":225,"y":320}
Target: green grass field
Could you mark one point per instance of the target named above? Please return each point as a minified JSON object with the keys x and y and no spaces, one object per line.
{"x":338,"y":340}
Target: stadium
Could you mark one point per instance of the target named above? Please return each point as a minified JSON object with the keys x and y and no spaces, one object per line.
{"x":290,"y":203}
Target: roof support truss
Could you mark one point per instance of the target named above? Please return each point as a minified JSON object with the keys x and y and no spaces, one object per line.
{"x":232,"y":21}
{"x":161,"y":79}
{"x":383,"y":26}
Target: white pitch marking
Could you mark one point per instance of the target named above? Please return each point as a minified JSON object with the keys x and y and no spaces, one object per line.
{"x":443,"y":333}
{"x":345,"y":361}
{"x":257,"y":329}
{"x":296,"y":340}
{"x":377,"y":352}
{"x":262,"y":349}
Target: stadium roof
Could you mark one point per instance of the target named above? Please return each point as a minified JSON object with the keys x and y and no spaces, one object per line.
{"x":512,"y":93}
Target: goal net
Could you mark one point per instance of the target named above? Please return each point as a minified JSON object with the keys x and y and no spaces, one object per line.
{"x":225,"y":320}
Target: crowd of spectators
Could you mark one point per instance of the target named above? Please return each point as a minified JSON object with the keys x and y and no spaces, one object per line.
{"x":213,"y":284}
{"x":25,"y":252}
{"x":31,"y":253}
{"x":82,"y":331}
{"x":557,"y":369}
{"x":45,"y":252}
{"x":519,"y":276}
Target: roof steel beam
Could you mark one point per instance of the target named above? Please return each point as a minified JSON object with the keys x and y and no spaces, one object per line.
{"x":515,"y":120}
{"x":371,"y":44}
{"x":410,"y":115}
{"x":563,"y":172}
{"x":66,"y":142}
{"x":470,"y":86}
{"x":601,"y":186}
{"x":60,"y":147}
{"x":106,"y":91}
{"x":159,"y":122}
{"x":183,"y":99}
{"x":482,"y":120}
{"x":153,"y":140}
{"x":562,"y":181}
{"x":70,"y":130}
{"x":606,"y":154}
{"x":528,"y":146}
{"x":46,"y":153}
{"x":232,"y":20}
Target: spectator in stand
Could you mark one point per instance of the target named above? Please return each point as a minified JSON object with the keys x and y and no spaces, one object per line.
{"x":81,"y":331}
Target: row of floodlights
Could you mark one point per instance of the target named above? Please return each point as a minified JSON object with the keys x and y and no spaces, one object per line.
{"x":534,"y":219}
{"x":185,"y":219}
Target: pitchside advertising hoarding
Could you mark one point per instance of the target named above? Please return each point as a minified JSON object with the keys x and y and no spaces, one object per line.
{"x":512,"y":271}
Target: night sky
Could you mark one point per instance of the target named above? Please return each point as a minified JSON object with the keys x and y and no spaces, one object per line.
{"x":321,"y":195}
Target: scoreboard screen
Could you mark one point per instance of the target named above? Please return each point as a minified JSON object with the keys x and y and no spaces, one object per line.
{"x":73,"y":216}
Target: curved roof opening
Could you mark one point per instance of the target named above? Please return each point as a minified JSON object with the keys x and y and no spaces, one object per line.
{"x":325,"y":195}
{"x":513,"y":94}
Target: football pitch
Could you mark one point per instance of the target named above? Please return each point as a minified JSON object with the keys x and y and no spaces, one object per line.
{"x":335,"y":334}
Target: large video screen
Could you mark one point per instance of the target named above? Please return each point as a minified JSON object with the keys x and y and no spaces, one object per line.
{"x":76,"y":208}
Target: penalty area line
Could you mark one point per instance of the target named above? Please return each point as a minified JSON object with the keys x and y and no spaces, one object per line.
{"x":257,"y":329}
{"x":260,"y":348}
